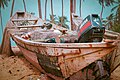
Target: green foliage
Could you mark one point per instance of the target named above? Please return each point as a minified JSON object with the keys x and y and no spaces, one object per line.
{"x":116,"y":17}
{"x":116,"y":27}
{"x":4,"y":3}
{"x":53,"y":18}
{"x":108,"y":22}
{"x":60,"y":20}
{"x":112,"y":22}
{"x":106,"y":2}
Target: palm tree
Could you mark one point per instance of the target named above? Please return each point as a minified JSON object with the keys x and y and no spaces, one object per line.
{"x":52,"y":11}
{"x":62,"y":12}
{"x":80,"y":7}
{"x":109,"y":21}
{"x":62,"y":20}
{"x":24,"y":5}
{"x":74,"y":5}
{"x":71,"y":11}
{"x":45,"y":8}
{"x":39,"y":8}
{"x":117,"y":8}
{"x":1,"y":19}
{"x":12,"y":7}
{"x":105,"y":3}
{"x":3,"y":3}
{"x":116,"y":26}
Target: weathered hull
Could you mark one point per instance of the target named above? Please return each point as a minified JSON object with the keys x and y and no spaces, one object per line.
{"x":62,"y":60}
{"x":58,"y":60}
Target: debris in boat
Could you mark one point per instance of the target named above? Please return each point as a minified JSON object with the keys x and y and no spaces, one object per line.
{"x":76,"y":20}
{"x":26,"y":36}
{"x":57,"y":31}
{"x":46,"y":26}
{"x":51,"y":36}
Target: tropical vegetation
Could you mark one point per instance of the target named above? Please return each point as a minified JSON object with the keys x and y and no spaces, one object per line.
{"x":3,"y":3}
{"x":60,"y":20}
{"x":112,"y":22}
{"x":116,"y":17}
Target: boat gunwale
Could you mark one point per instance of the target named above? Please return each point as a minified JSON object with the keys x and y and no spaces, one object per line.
{"x":64,"y":45}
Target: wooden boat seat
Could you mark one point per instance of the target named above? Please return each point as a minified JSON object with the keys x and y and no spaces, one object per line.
{"x":28,"y":26}
{"x":25,"y":23}
{"x":16,"y":20}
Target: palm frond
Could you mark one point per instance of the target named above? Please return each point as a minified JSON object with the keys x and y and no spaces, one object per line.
{"x":4,"y":3}
{"x":114,"y":8}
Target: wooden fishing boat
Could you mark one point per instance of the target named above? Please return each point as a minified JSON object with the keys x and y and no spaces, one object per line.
{"x":58,"y":60}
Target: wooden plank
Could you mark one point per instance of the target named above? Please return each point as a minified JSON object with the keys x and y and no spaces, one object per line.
{"x":111,"y":41}
{"x":6,"y":45}
{"x":29,"y":26}
{"x":15,"y":20}
{"x":111,"y":34}
{"x":115,"y":58}
{"x":65,"y":45}
{"x":78,"y":63}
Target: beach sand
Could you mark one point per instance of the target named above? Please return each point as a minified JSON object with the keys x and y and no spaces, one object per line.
{"x":18,"y":68}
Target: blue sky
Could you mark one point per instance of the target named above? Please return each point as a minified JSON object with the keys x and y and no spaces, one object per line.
{"x":88,"y":7}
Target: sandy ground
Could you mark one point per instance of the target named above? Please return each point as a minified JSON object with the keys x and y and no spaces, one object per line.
{"x":18,"y":68}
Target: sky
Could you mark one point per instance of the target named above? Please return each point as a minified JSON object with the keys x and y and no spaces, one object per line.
{"x":88,"y":7}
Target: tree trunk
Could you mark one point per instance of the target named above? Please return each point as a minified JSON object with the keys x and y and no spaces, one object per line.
{"x":52,"y":12}
{"x":80,"y":7}
{"x":101,"y":12}
{"x":24,"y":5}
{"x":45,"y":8}
{"x":1,"y":20}
{"x":74,"y":9}
{"x":12,"y":8}
{"x":71,"y":11}
{"x":39,"y":9}
{"x":62,"y":12}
